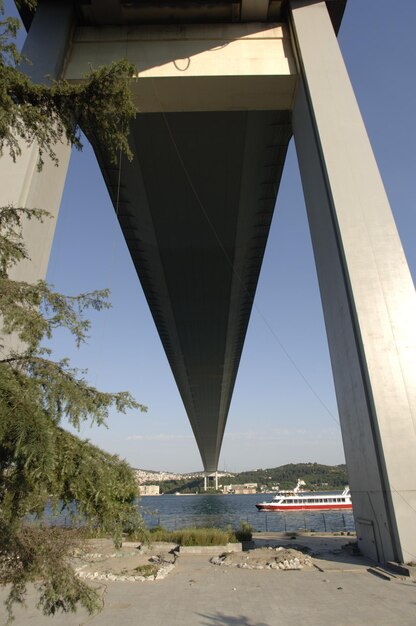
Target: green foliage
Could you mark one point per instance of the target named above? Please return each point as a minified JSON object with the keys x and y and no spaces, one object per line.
{"x":101,"y":105}
{"x":146,"y":570}
{"x":40,"y":462}
{"x":41,"y":555}
{"x":181,"y":486}
{"x":316,"y":476}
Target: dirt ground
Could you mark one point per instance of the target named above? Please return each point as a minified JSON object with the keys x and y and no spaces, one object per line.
{"x":138,"y":563}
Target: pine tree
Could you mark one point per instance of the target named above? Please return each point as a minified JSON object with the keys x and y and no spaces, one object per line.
{"x":40,"y":462}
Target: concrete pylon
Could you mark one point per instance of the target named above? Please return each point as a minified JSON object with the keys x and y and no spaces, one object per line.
{"x":366,"y":288}
{"x":24,"y":186}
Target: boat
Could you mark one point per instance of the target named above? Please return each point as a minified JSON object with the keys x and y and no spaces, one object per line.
{"x":299,"y":500}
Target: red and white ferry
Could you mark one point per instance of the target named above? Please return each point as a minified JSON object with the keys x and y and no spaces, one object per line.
{"x":299,"y":500}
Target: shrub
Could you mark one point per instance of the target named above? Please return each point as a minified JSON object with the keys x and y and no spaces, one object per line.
{"x":244,"y":532}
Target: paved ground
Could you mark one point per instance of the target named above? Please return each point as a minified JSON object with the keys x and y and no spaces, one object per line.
{"x":337,"y":591}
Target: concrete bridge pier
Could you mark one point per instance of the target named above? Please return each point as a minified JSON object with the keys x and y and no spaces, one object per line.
{"x":46,"y":46}
{"x":367,"y":292}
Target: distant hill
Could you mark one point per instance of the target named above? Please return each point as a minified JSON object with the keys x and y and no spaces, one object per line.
{"x":316,"y":476}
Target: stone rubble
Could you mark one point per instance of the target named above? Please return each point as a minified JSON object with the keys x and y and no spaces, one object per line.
{"x":123,"y":565}
{"x":162,"y":572}
{"x":280,"y":558}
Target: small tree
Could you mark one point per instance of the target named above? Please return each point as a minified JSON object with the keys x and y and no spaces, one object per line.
{"x":40,"y":462}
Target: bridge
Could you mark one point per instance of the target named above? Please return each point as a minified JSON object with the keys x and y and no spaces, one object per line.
{"x":221,"y":87}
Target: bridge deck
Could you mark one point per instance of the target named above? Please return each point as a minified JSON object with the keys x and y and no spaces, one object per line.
{"x":195,"y":208}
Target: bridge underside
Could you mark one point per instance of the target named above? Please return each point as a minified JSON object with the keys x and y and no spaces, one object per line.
{"x":196,"y":202}
{"x":195,"y":207}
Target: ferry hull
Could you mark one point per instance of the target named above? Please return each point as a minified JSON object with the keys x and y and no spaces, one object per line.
{"x":303,"y":507}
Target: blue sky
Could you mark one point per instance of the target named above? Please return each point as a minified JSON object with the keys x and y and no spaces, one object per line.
{"x":283,"y":409}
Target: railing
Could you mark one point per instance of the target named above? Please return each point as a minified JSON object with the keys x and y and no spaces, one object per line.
{"x":260,"y":522}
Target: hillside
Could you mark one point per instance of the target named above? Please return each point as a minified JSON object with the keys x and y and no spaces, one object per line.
{"x":316,"y":476}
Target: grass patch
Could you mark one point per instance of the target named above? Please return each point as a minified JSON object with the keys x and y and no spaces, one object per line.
{"x":192,"y":536}
{"x":199,"y":536}
{"x":146,"y":570}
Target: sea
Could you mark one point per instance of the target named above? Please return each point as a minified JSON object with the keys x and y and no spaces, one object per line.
{"x":179,"y":511}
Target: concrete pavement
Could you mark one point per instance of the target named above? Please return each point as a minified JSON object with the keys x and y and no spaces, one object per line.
{"x":338,"y":590}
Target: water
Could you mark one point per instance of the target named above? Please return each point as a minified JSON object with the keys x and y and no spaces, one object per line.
{"x":220,"y":511}
{"x":173,"y":512}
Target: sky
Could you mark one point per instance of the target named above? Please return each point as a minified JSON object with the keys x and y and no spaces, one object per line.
{"x":284,"y":407}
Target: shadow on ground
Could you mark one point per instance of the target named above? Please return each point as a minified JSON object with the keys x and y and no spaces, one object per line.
{"x":221,"y":619}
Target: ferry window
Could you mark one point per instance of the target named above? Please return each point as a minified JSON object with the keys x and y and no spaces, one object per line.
{"x":325,"y":499}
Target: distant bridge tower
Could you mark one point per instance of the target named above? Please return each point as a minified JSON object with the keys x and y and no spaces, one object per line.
{"x":207,"y":476}
{"x":220,"y":87}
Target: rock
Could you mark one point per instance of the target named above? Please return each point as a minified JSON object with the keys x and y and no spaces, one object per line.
{"x":155,"y":559}
{"x":164,"y":571}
